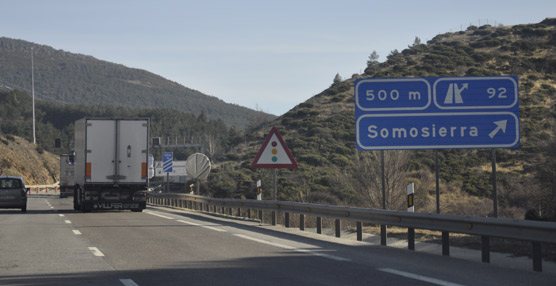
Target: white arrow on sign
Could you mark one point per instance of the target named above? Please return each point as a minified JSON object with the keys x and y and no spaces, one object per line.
{"x":500,"y":125}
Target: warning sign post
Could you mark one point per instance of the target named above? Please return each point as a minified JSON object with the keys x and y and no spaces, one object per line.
{"x":274,"y":154}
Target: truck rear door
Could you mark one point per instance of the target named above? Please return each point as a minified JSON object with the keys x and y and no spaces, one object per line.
{"x":132,"y":152}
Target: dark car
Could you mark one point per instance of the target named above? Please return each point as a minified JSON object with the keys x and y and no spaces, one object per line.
{"x":13,"y":193}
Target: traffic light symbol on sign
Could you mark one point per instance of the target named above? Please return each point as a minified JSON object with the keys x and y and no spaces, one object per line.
{"x":274,"y":152}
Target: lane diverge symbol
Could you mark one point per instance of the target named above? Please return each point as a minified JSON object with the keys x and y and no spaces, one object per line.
{"x":455,"y":92}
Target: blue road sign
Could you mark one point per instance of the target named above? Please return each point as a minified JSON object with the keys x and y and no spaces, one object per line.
{"x":167,"y":162}
{"x":392,"y":94}
{"x":474,"y":93}
{"x":437,"y":113}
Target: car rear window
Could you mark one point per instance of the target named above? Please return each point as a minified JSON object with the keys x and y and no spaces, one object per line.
{"x":10,"y":184}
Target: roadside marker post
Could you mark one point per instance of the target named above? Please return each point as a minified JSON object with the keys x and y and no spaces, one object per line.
{"x":411,"y":208}
{"x":259,"y":191}
{"x":410,"y":201}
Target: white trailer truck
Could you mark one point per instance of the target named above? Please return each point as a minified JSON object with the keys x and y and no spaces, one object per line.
{"x":110,"y":167}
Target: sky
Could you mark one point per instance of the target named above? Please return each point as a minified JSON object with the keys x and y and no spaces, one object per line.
{"x":261,"y":54}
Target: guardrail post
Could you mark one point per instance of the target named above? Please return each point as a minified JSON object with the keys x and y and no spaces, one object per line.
{"x":239,"y":212}
{"x":382,"y":234}
{"x":302,"y":222}
{"x":485,"y":249}
{"x":319,"y":225}
{"x":249,"y":213}
{"x":537,"y":257}
{"x":337,"y":227}
{"x":359,"y":231}
{"x":445,"y":243}
{"x":261,"y":215}
{"x":411,"y":238}
{"x":273,"y":217}
{"x":287,"y":220}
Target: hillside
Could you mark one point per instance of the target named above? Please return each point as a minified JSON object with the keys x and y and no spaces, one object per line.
{"x":21,"y":158}
{"x":320,"y":133}
{"x":65,"y":77}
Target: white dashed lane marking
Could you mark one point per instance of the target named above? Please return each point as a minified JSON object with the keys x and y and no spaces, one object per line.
{"x":96,"y":252}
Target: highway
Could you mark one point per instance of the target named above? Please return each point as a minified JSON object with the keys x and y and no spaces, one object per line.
{"x":53,"y":245}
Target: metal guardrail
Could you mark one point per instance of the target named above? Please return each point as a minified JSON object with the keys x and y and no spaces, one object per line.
{"x":534,"y":231}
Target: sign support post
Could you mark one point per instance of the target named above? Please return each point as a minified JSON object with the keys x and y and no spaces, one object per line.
{"x":437,"y":181}
{"x":275,"y":190}
{"x":383,"y":226}
{"x":494,"y":185}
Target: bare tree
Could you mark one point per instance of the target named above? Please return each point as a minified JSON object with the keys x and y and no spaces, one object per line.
{"x":372,"y":63}
{"x":368,"y":178}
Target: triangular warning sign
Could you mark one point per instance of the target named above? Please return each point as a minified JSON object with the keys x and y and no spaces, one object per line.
{"x":274,"y":153}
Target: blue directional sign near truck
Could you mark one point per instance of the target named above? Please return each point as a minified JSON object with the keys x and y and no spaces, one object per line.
{"x":437,"y":113}
{"x":167,"y":162}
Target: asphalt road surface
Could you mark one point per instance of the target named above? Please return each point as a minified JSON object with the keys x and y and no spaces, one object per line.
{"x":53,"y":245}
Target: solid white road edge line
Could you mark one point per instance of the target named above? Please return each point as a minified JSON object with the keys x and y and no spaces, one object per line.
{"x":95,"y":251}
{"x":418,"y":277}
{"x":213,"y":228}
{"x":205,"y":226}
{"x":128,"y":282}
{"x":307,"y":251}
{"x":188,"y":222}
{"x":76,"y":232}
{"x":158,"y":215}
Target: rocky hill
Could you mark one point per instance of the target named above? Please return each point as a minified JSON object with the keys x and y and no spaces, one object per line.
{"x":19,"y":157}
{"x":321,"y":134}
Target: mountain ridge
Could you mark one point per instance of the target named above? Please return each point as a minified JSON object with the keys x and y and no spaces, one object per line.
{"x":82,"y":79}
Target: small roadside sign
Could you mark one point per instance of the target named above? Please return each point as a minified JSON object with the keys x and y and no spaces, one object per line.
{"x":167,"y":162}
{"x":274,"y":153}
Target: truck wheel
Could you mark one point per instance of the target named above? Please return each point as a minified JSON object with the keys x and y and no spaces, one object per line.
{"x":24,"y":209}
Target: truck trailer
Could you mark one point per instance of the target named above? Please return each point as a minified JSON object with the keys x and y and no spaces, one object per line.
{"x":110,"y":168}
{"x":66,"y":175}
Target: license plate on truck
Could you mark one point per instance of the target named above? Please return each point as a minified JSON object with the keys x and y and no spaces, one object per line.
{"x":111,"y":206}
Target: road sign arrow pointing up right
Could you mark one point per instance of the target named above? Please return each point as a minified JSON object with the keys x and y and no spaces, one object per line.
{"x":500,"y":125}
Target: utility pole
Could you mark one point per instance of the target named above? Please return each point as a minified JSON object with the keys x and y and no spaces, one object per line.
{"x":33,"y":93}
